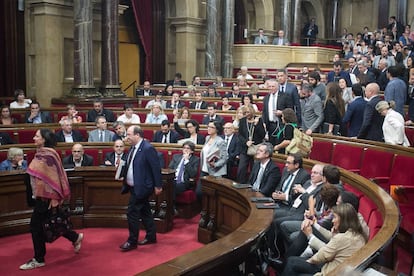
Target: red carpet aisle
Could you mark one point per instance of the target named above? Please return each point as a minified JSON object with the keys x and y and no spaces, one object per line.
{"x":100,"y":254}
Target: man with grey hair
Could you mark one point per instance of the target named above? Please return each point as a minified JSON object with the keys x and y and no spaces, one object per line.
{"x":67,"y":133}
{"x":15,"y":160}
{"x":265,"y":174}
{"x":365,"y":76}
{"x":312,"y":110}
{"x":382,"y":78}
{"x":244,"y":74}
{"x":120,"y":131}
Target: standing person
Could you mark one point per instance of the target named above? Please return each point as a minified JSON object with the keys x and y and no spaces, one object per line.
{"x":285,"y":134}
{"x":354,"y":114}
{"x":312,"y":110}
{"x":213,"y":155}
{"x":141,"y":176}
{"x":318,"y":87}
{"x":233,"y":148}
{"x":273,"y":104}
{"x":49,"y":187}
{"x":251,"y":132}
{"x":396,"y":90}
{"x":309,"y":32}
{"x":290,"y":90}
{"x":371,"y":128}
{"x":334,"y":110}
{"x":393,"y":127}
{"x":261,"y":38}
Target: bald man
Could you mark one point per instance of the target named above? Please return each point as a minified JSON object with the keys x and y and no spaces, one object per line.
{"x":78,"y":158}
{"x":371,"y":128}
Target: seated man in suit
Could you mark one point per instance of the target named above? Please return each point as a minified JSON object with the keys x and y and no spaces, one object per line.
{"x":186,"y":166}
{"x":114,"y":158}
{"x":67,"y":134}
{"x":99,"y":110}
{"x":145,"y":91}
{"x":78,"y":158}
{"x":165,"y":134}
{"x":100,"y":134}
{"x":5,"y":139}
{"x":198,"y":103}
{"x":233,"y":148}
{"x":177,"y":81}
{"x":293,"y":175}
{"x":35,"y":116}
{"x":175,"y":102}
{"x":211,"y":115}
{"x":265,"y":174}
{"x":120,"y":131}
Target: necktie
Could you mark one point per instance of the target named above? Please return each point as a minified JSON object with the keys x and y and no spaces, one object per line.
{"x":227,"y":142}
{"x":256,"y":185}
{"x":197,"y":106}
{"x":282,"y":89}
{"x":101,"y":136}
{"x":287,"y":183}
{"x":180,"y":172}
{"x":164,"y":138}
{"x":118,"y":160}
{"x":131,"y":154}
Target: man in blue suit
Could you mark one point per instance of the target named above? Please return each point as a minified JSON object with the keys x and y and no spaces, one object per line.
{"x":141,"y":176}
{"x":355,"y":112}
{"x":338,"y":73}
{"x":233,"y":148}
{"x":291,"y":90}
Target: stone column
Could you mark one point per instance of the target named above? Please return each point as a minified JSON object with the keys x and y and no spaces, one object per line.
{"x":297,"y":25}
{"x":286,"y":18}
{"x":83,"y":85}
{"x":334,"y":19}
{"x":109,"y":53}
{"x":213,"y":38}
{"x":227,"y":36}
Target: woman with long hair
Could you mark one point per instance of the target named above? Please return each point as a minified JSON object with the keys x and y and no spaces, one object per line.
{"x":251,"y":132}
{"x":247,"y":100}
{"x":348,"y":237}
{"x":346,"y":92}
{"x":334,"y":110}
{"x":48,"y":188}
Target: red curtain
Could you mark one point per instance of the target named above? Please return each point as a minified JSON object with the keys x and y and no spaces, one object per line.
{"x":143,"y":19}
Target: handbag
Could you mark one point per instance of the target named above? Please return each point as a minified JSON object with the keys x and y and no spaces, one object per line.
{"x":57,"y":223}
{"x":251,"y":150}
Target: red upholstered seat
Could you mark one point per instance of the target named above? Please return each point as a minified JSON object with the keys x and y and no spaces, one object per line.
{"x":198,"y":117}
{"x":375,"y":223}
{"x":25,"y":136}
{"x":321,"y":151}
{"x":148,"y":134}
{"x":186,"y":197}
{"x":403,"y":171}
{"x":347,"y":157}
{"x":354,"y":190}
{"x":374,"y":170}
{"x":366,"y":207}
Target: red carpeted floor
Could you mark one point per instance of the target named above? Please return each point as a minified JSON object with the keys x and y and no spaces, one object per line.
{"x":100,"y":254}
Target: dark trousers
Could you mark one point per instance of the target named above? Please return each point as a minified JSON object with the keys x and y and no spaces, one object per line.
{"x":39,"y":215}
{"x":244,"y":163}
{"x":299,"y":266}
{"x":140,"y":209}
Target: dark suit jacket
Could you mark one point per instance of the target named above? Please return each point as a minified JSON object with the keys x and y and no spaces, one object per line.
{"x":180,"y":105}
{"x":5,"y":139}
{"x":147,"y":171}
{"x":140,"y":92}
{"x":76,"y":136}
{"x":271,"y":177}
{"x":371,"y":128}
{"x":201,"y":139}
{"x":203,"y":105}
{"x":44,"y":115}
{"x":110,"y":156}
{"x":190,"y":169}
{"x":283,"y":101}
{"x":301,"y":177}
{"x":292,"y":91}
{"x":218,"y":118}
{"x":382,"y":80}
{"x":343,"y":74}
{"x":230,"y":95}
{"x":354,"y":116}
{"x":233,"y":150}
{"x":158,"y":136}
{"x":108,"y":114}
{"x":364,"y":79}
{"x":68,"y":161}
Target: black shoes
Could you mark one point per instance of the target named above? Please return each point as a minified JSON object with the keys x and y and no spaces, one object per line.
{"x":146,"y":241}
{"x":127,"y":246}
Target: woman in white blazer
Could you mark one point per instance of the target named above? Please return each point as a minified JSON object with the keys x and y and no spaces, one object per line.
{"x":393,"y":126}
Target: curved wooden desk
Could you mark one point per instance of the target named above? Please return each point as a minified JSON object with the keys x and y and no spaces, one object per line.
{"x":233,"y":219}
